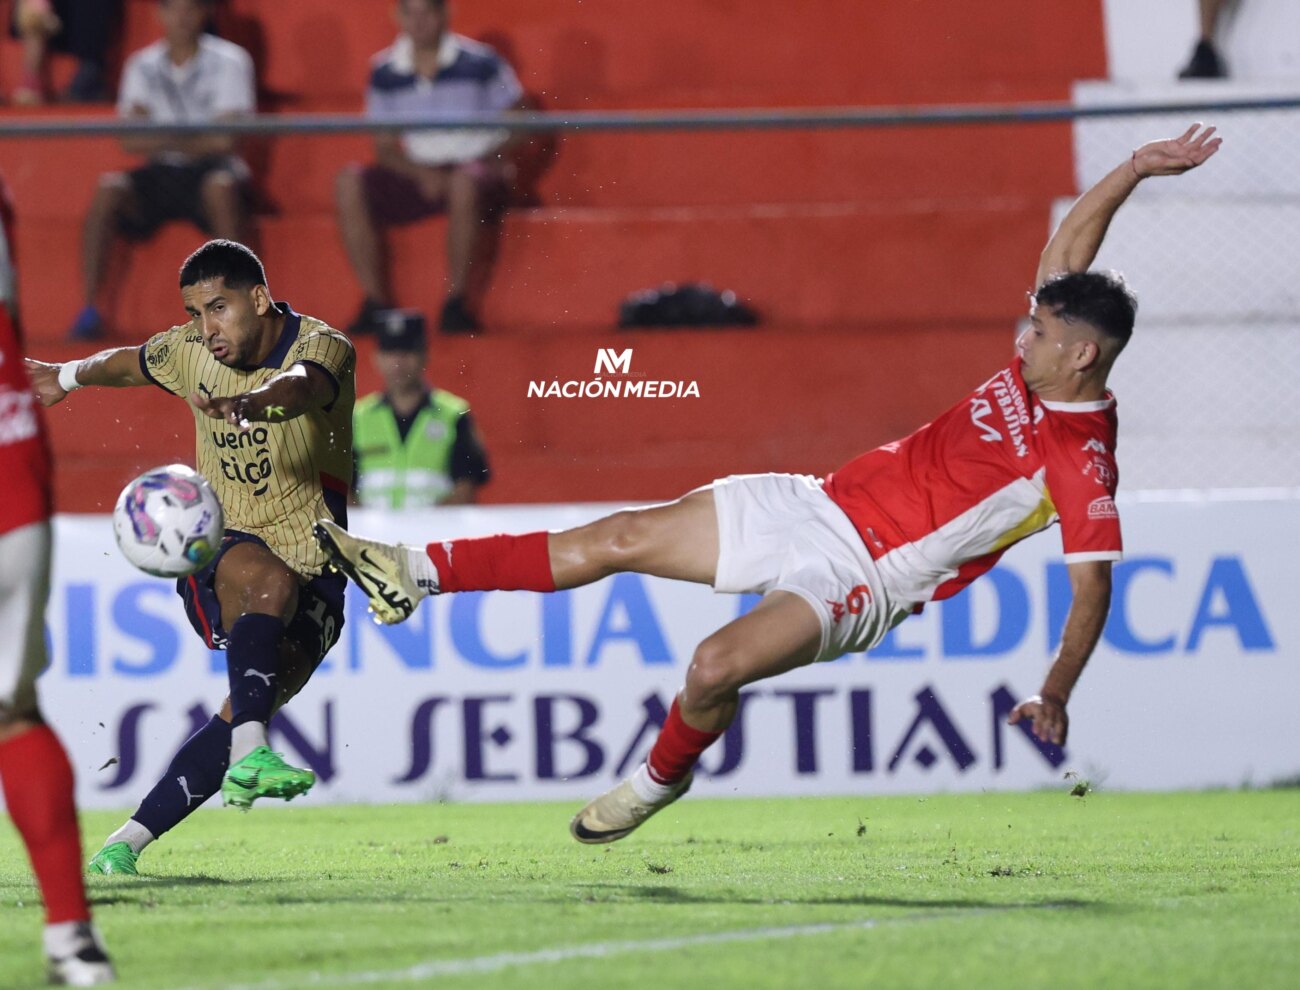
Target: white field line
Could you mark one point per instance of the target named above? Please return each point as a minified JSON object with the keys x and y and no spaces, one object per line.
{"x":595,"y":950}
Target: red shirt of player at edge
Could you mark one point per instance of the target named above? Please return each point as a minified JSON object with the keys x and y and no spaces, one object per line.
{"x":24,"y":452}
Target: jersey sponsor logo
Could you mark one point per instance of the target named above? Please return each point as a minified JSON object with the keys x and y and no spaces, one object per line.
{"x":205,"y":390}
{"x":254,"y":468}
{"x":1014,"y":412}
{"x":1094,"y":445}
{"x":1103,"y":508}
{"x":980,"y":409}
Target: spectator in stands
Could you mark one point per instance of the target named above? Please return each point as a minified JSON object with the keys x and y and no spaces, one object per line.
{"x":1206,"y":62}
{"x":186,"y":77}
{"x":431,"y":71}
{"x":415,"y":445}
{"x":83,"y":28}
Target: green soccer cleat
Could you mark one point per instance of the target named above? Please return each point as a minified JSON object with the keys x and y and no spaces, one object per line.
{"x":263,"y":774}
{"x":378,"y":569}
{"x":116,"y":858}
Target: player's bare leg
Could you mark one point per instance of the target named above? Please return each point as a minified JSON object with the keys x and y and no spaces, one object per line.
{"x":780,"y":634}
{"x":675,"y":540}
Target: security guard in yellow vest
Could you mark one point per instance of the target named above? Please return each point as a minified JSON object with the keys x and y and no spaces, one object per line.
{"x":415,"y":446}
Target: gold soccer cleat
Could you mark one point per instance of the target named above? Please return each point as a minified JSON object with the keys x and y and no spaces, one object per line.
{"x":378,"y":569}
{"x":619,"y":811}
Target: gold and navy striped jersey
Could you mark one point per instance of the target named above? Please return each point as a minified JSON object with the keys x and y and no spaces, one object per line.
{"x":276,"y":479}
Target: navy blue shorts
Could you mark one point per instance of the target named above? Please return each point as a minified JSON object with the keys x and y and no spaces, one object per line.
{"x":315,"y":626}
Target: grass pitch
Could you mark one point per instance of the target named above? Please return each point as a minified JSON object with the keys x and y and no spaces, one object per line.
{"x":1035,"y":890}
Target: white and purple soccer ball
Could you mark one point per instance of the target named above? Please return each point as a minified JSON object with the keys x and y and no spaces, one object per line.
{"x":168,"y":521}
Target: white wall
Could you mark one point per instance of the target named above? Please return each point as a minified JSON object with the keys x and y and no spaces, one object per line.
{"x":1151,"y":40}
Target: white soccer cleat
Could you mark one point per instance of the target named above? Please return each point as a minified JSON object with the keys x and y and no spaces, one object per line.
{"x":378,"y":569}
{"x":619,"y":811}
{"x":87,"y":965}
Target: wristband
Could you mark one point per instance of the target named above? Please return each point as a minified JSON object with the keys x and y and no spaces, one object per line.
{"x":68,"y":376}
{"x":1133,"y":160}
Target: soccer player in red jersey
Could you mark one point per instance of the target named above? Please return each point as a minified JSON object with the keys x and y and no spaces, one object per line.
{"x":842,"y":560}
{"x":34,"y":767}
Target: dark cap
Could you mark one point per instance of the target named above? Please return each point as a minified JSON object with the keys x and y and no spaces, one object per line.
{"x":399,"y":330}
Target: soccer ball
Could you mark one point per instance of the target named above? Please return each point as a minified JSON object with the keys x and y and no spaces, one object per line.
{"x":168,"y":521}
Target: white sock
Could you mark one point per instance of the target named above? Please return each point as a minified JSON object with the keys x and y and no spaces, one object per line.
{"x":67,"y":938}
{"x":244,"y":738}
{"x":420,"y":567}
{"x":647,"y":788}
{"x":133,"y":834}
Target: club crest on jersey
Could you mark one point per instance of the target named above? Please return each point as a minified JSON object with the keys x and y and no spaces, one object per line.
{"x":1099,"y":470}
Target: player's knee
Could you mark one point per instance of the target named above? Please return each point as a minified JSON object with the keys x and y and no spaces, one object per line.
{"x":275,"y":592}
{"x":715,"y":674}
{"x":623,"y":539}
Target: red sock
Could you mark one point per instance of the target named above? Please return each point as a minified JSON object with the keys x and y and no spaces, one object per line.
{"x":494,"y":563}
{"x":37,"y":779}
{"x":677,"y":748}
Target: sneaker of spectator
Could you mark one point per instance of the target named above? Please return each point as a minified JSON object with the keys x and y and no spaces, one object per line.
{"x":1205,"y":63}
{"x":88,"y":85}
{"x":367,"y":317}
{"x":89,"y":325}
{"x":456,"y":317}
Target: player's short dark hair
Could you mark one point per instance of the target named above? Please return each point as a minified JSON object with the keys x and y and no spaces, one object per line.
{"x":1100,"y":299}
{"x":228,"y":260}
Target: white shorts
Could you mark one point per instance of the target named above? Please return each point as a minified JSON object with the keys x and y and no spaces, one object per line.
{"x":24,"y":588}
{"x":781,"y":532}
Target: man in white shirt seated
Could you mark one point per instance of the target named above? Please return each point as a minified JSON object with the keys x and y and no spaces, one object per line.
{"x":186,"y":77}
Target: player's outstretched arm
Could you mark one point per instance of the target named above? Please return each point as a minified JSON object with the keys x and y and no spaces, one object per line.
{"x":1077,"y":240}
{"x":1090,"y":582}
{"x":118,"y":367}
{"x":289,"y":394}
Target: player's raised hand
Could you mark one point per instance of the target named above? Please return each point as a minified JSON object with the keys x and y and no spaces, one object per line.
{"x":1047,"y":718}
{"x":45,"y":381}
{"x":1174,"y":156}
{"x":237,"y":410}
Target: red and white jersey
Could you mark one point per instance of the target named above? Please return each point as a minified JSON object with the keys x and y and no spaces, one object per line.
{"x":25,"y":493}
{"x":938,"y":508}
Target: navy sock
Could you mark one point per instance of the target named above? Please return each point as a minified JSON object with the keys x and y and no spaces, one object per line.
{"x":253,"y":662}
{"x":193,"y":776}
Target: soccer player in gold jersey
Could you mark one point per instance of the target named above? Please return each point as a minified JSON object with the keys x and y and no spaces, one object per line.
{"x":272,"y":394}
